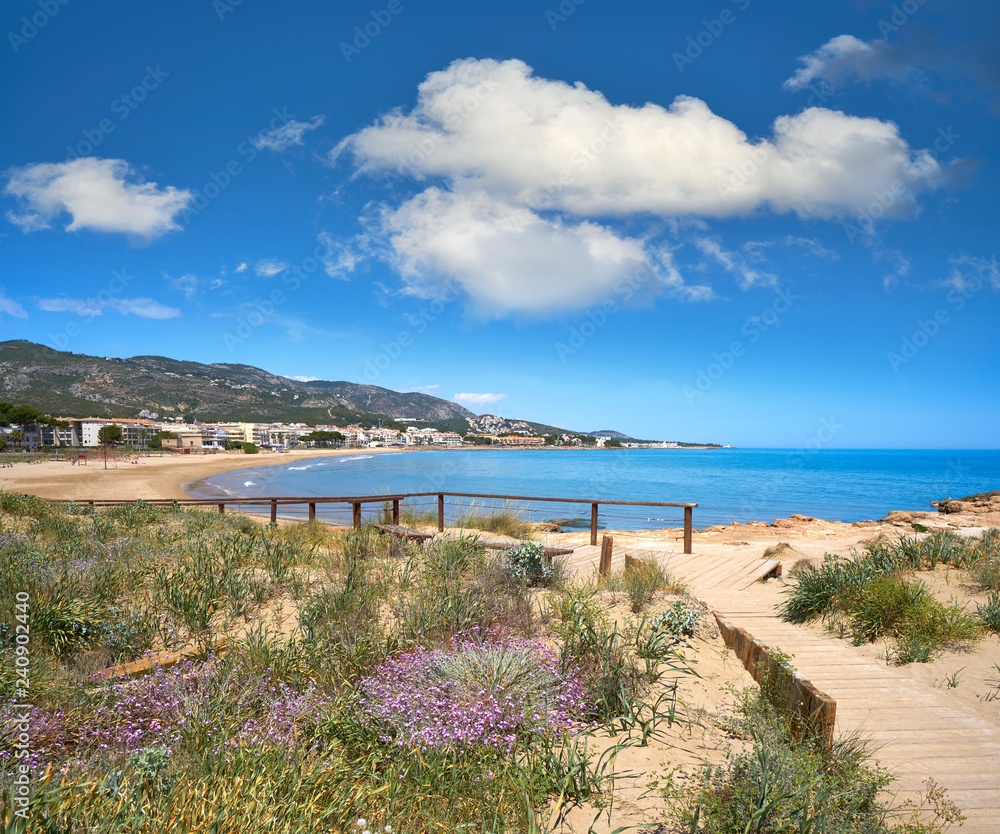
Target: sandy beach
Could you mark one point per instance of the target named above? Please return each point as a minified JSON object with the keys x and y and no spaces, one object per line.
{"x":156,"y":476}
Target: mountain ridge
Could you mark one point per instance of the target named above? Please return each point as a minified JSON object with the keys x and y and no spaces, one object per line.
{"x":78,"y":385}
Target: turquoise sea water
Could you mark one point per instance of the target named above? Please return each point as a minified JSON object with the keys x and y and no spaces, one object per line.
{"x":727,"y":484}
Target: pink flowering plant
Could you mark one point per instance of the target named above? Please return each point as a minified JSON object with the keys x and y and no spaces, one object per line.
{"x":487,"y":693}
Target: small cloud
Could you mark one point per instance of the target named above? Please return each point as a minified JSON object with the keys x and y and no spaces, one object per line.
{"x":269,"y":267}
{"x":970,"y":273}
{"x":846,"y":57}
{"x":303,"y":378}
{"x":812,"y":247}
{"x":338,"y":259}
{"x":99,"y":196}
{"x":10,"y":307}
{"x":242,"y":267}
{"x":144,"y":308}
{"x":734,"y":263}
{"x":423,"y":389}
{"x":187,"y":284}
{"x":478,"y":399}
{"x":284,"y":137}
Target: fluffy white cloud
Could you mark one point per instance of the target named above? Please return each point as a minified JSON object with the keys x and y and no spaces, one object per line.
{"x":547,"y":144}
{"x":242,"y":267}
{"x":478,"y":399}
{"x":103,"y":195}
{"x":144,"y":308}
{"x":269,"y":267}
{"x":507,"y":258}
{"x":9,"y":307}
{"x":282,"y":138}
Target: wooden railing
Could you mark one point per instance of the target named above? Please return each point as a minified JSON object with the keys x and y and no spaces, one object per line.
{"x":356,"y":503}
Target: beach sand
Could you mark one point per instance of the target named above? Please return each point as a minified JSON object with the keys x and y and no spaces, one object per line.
{"x":156,"y":476}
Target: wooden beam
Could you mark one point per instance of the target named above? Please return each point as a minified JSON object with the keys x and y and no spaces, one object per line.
{"x":687,"y":529}
{"x":222,"y":508}
{"x":274,"y":511}
{"x":607,"y":545}
{"x":312,"y":510}
{"x":593,"y":523}
{"x":440,"y":512}
{"x":356,"y":513}
{"x":395,"y":511}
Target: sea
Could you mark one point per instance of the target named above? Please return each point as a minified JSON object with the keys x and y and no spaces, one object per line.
{"x":727,"y":484}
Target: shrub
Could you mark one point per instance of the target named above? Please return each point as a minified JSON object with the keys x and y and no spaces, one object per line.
{"x":476,"y":694}
{"x":528,"y":564}
{"x":990,"y":613}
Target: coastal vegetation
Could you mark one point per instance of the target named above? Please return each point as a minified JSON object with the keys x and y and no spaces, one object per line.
{"x":351,"y":681}
{"x":873,"y":595}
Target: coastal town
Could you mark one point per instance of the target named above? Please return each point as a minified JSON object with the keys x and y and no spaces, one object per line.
{"x":149,"y":432}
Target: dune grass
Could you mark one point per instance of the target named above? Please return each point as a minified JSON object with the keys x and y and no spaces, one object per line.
{"x":872,"y":596}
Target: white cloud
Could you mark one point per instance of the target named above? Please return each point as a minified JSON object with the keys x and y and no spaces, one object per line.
{"x":242,"y":267}
{"x":187,"y":284}
{"x":734,"y":263}
{"x":9,"y":307}
{"x":846,"y":58}
{"x":284,"y":137}
{"x":812,"y":247}
{"x":339,"y":259}
{"x":535,"y":142}
{"x":478,"y":399}
{"x":304,"y":378}
{"x":103,"y":195}
{"x":506,"y":258}
{"x":269,"y":267}
{"x":145,"y":308}
{"x":424,"y":389}
{"x":969,"y":274}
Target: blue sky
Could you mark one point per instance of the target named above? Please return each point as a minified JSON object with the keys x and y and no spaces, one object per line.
{"x":767,"y":224}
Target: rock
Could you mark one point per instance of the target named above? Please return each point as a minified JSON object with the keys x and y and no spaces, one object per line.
{"x":545,"y":527}
{"x":783,"y":523}
{"x":864,"y":524}
{"x":799,"y":517}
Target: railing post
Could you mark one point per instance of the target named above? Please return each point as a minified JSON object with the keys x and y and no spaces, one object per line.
{"x":356,"y":513}
{"x":222,"y":509}
{"x":395,"y":511}
{"x":274,"y":511}
{"x":440,"y":512}
{"x":604,"y":568}
{"x":687,"y":529}
{"x":312,"y":510}
{"x":593,"y":523}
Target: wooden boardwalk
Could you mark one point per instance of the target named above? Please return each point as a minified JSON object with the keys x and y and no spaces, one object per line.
{"x":701,"y":571}
{"x":919,"y":730}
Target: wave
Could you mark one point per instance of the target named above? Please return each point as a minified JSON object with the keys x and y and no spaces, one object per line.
{"x":249,"y":483}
